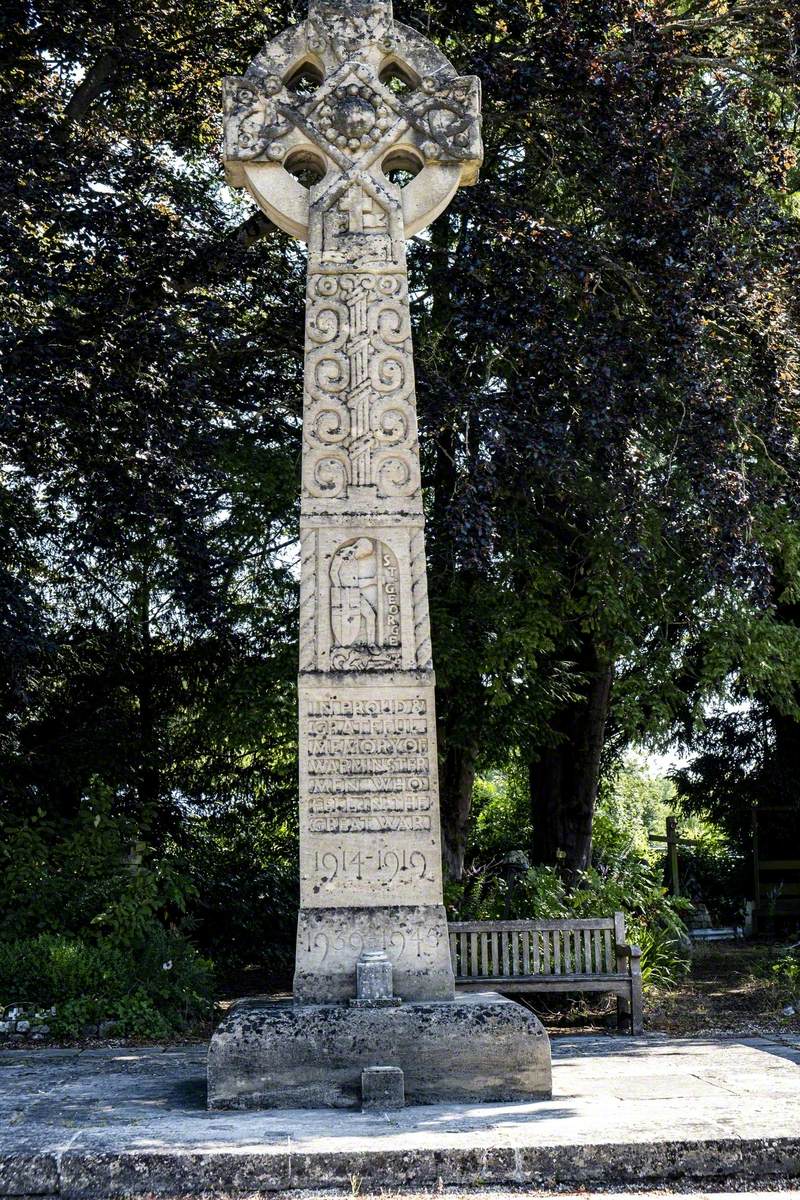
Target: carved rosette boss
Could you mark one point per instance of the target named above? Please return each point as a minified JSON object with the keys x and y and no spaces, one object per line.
{"x":377,"y":97}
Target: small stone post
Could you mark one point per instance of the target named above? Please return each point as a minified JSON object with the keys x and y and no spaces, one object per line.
{"x":374,"y":982}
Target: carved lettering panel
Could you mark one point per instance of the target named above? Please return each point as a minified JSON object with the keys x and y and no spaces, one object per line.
{"x":369,"y":805}
{"x":413,"y":937}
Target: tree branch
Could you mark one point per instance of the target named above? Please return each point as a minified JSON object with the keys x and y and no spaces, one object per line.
{"x":93,"y":84}
{"x":205,"y":262}
{"x":744,"y":10}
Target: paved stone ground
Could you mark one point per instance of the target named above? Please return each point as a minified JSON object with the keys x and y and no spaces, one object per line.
{"x":625,"y":1111}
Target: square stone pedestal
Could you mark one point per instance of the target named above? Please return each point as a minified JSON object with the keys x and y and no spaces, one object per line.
{"x":477,"y":1047}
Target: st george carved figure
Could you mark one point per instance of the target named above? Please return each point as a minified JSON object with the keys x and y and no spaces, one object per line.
{"x":354,"y":599}
{"x":365,"y":603}
{"x":377,"y":97}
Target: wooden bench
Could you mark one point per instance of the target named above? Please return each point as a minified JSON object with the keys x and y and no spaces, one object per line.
{"x":584,"y":955}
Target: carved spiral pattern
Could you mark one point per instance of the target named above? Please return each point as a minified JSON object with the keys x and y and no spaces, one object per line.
{"x":325,"y":323}
{"x":391,"y":427}
{"x":393,"y":476}
{"x":388,"y":371}
{"x":331,"y":475}
{"x":331,"y":425}
{"x":392,"y":324}
{"x":324,"y":285}
{"x":419,"y":601}
{"x":360,"y":383}
{"x":331,"y":372}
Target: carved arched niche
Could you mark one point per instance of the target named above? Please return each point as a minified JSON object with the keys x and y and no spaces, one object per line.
{"x":365,"y":606}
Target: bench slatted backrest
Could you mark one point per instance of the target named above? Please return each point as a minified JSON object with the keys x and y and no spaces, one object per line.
{"x":508,"y":949}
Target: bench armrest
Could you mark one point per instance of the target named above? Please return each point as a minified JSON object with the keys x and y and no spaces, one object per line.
{"x":628,"y":951}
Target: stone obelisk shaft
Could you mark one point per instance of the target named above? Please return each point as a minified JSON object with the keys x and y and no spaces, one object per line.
{"x":370,"y":854}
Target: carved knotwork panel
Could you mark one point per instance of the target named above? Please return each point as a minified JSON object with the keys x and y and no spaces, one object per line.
{"x":353,"y":119}
{"x":349,"y":32}
{"x":360,"y":420}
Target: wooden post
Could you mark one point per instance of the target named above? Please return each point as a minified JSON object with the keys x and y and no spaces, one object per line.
{"x":637,"y":1013}
{"x":624,"y":1013}
{"x":672,"y":850}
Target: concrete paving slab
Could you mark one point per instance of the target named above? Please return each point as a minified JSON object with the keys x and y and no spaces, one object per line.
{"x":127,"y":1121}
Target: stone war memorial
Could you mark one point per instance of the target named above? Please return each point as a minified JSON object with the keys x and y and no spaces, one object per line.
{"x":375,"y":1018}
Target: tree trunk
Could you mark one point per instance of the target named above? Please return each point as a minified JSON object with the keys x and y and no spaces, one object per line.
{"x":455,"y":713}
{"x":456,"y":779}
{"x":785,"y":759}
{"x":563,"y":779}
{"x":148,"y":766}
{"x":97,"y":80}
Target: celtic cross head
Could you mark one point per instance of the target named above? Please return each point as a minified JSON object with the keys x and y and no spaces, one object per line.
{"x":351,"y":96}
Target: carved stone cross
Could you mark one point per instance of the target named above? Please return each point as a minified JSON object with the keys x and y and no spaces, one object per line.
{"x":380,"y":98}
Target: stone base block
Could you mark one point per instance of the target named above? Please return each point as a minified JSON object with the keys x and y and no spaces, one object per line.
{"x":382,"y":1088}
{"x":478,"y":1047}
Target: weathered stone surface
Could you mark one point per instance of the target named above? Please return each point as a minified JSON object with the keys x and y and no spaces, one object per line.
{"x":370,"y":839}
{"x":369,"y":821}
{"x":413,"y":936}
{"x":28,"y":1173}
{"x":143,"y":1171}
{"x":374,"y":976}
{"x":374,"y":982}
{"x":646,"y":1111}
{"x":382,"y":1088}
{"x":271,"y":1054}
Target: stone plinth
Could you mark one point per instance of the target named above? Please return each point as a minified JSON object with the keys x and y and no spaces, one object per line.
{"x":272,"y":1054}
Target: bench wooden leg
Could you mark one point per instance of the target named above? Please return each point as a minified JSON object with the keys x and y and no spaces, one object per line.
{"x":637,"y":1012}
{"x":623,"y":1014}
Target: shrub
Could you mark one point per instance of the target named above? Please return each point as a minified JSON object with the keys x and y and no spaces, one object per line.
{"x":245,"y":910}
{"x":152,"y":989}
{"x":500,"y":813}
{"x":90,"y":872}
{"x":714,"y":874}
{"x":631,"y":804}
{"x":90,"y":921}
{"x":786,"y":972}
{"x":630,"y":886}
{"x":621,"y":879}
